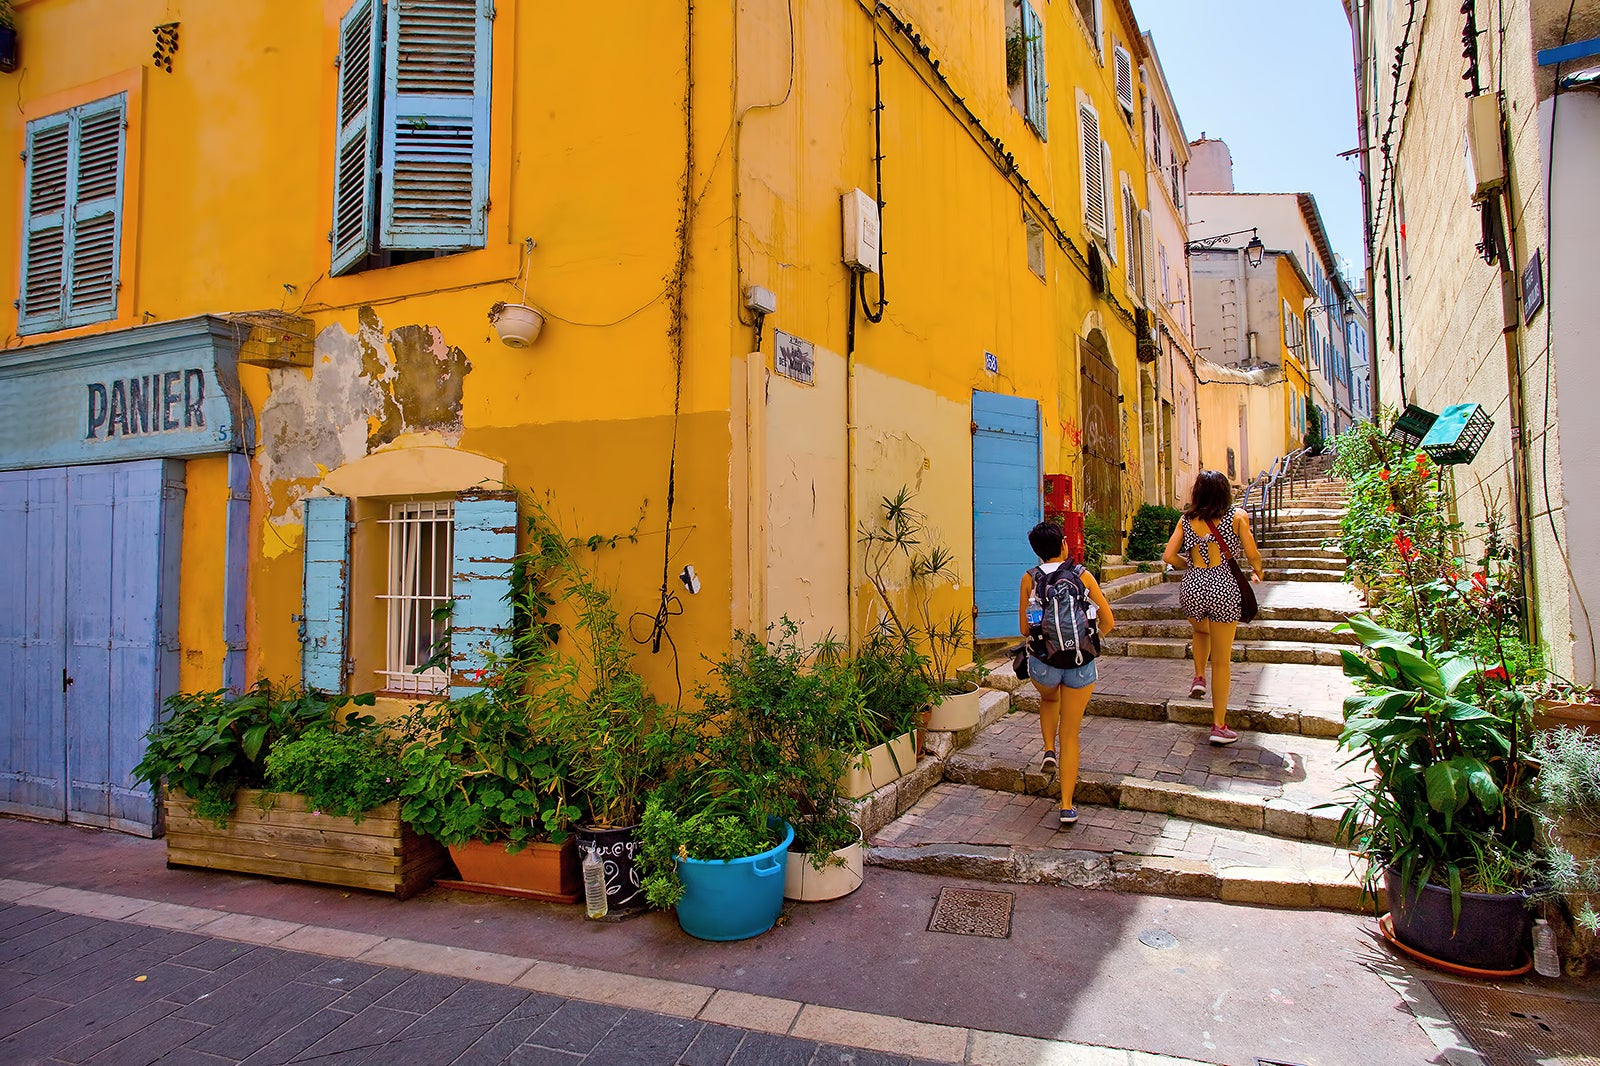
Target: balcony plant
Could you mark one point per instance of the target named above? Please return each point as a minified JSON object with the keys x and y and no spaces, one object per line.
{"x":911,"y":574}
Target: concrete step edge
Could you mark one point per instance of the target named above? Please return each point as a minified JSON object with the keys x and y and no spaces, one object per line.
{"x":1244,"y":651}
{"x":1283,"y":719}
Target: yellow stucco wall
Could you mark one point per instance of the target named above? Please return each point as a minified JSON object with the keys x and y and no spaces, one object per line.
{"x":227,"y":203}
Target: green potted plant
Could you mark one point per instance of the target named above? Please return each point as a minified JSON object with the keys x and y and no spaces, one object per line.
{"x":1566,"y":805}
{"x":892,"y":696}
{"x":285,"y":783}
{"x":1441,"y":820}
{"x":477,"y":776}
{"x":910,"y":573}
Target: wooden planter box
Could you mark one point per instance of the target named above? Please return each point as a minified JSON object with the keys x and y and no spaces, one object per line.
{"x":380,"y":852}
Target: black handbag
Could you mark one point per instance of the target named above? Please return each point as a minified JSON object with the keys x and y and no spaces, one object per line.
{"x":1247,"y":595}
{"x":1019,"y":660}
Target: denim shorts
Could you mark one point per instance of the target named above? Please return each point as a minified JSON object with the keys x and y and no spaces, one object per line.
{"x":1047,"y":676}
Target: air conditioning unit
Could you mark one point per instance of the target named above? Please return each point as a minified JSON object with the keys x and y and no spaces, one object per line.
{"x":1486,"y":159}
{"x":860,"y":231}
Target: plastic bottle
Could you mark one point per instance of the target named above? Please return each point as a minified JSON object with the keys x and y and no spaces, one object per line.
{"x":594,"y":883}
{"x":1546,"y":958}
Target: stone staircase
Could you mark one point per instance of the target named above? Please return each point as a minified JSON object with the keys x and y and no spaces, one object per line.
{"x":1162,"y":811}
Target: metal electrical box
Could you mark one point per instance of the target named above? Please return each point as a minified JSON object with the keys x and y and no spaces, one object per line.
{"x":860,"y":231}
{"x":1486,"y":158}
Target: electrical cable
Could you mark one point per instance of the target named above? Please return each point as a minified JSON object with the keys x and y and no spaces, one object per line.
{"x":738,"y":141}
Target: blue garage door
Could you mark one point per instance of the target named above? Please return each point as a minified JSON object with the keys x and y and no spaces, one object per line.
{"x":1005,"y":505}
{"x":91,"y":639}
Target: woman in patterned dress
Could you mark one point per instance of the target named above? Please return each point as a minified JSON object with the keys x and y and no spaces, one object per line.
{"x":1209,"y":595}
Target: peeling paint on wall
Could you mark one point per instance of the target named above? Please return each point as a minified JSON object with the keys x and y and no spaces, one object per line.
{"x":365,"y":390}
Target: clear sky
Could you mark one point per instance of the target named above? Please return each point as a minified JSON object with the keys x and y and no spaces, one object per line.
{"x":1275,"y":79}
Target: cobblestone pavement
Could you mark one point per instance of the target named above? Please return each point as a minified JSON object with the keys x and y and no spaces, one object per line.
{"x":967,"y":814}
{"x":76,"y":989}
{"x":1308,"y":770}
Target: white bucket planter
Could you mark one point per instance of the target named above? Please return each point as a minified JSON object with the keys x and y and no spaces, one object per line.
{"x":959,"y":711}
{"x":804,"y":882}
{"x":878,"y":766}
{"x":517,"y":324}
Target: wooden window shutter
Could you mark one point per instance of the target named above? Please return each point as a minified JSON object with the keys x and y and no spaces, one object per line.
{"x":436,"y":124}
{"x":485,"y":546}
{"x":327,"y":592}
{"x":1130,"y":239}
{"x":1033,"y":36}
{"x":355,"y":176}
{"x":44,"y":241}
{"x":1147,"y":255}
{"x":95,"y":237}
{"x":1111,"y":200}
{"x":1094,"y":187}
{"x":1122,"y":64}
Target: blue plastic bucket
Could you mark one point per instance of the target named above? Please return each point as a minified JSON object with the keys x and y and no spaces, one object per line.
{"x":734,"y":899}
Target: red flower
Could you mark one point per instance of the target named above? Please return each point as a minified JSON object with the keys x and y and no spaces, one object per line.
{"x":1390,"y":509}
{"x":1497,"y":673}
{"x":1450,"y":572}
{"x":1480,"y":581}
{"x":1403,"y":545}
{"x":1422,"y":461}
{"x":1383,"y":475}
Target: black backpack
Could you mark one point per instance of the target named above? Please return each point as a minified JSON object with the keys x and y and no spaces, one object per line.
{"x":1069,"y":632}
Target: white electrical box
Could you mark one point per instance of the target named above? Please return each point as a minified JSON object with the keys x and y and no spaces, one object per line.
{"x":860,"y":230}
{"x":1486,"y":160}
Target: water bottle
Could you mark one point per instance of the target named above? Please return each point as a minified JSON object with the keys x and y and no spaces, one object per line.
{"x":1035,"y":613}
{"x":1546,"y":959}
{"x":594,"y":883}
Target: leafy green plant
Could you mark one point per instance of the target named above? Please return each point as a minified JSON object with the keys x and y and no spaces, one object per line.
{"x":710,"y":833}
{"x":1447,"y":738}
{"x":208,"y":745}
{"x":907,"y":571}
{"x":891,"y":691}
{"x":8,"y":18}
{"x":1316,"y":442}
{"x":1152,"y":525}
{"x":1566,"y":803}
{"x":473,"y":768}
{"x":1016,"y":56}
{"x":344,"y":772}
{"x":1098,"y":536}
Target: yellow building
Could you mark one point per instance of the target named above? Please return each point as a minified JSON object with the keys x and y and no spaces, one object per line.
{"x":255,"y":273}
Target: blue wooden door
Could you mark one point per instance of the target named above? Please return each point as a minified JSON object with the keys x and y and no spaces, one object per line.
{"x":33,"y":517}
{"x":1006,"y":503}
{"x":92,"y":638}
{"x":123,"y":530}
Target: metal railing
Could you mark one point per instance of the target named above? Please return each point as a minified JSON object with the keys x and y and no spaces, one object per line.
{"x":1264,"y":497}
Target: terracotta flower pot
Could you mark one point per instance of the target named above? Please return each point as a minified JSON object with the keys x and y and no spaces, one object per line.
{"x":1557,"y":714}
{"x":538,"y":871}
{"x":518,"y":325}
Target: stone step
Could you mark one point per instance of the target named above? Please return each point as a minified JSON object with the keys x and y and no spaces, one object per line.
{"x":1252,"y":651}
{"x":1296,"y":559}
{"x":1279,"y":785}
{"x":1322,"y":601}
{"x":981,"y":834}
{"x":1303,"y":574}
{"x":1268,"y":613}
{"x":1302,"y":551}
{"x":1109,"y":572}
{"x":1127,"y":586}
{"x":1178,"y":629}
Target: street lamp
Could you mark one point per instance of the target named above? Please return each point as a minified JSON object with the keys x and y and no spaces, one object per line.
{"x":1253,"y":251}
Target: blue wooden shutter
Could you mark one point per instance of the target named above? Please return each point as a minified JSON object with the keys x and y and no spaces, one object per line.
{"x":327,"y":591}
{"x":1033,"y":36}
{"x":436,"y":124}
{"x":485,"y":543}
{"x":355,"y":176}
{"x":44,"y":240}
{"x":95,"y":233}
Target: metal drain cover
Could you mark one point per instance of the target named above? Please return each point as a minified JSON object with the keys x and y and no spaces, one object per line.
{"x":1520,"y":1029}
{"x":972,"y":913}
{"x":1159,"y":939}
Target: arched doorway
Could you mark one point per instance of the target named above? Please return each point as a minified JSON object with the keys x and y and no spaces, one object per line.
{"x":1102,"y":431}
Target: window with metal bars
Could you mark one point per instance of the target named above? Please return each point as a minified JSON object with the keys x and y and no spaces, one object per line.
{"x":72,"y":233}
{"x":421,"y":542}
{"x":411,"y":155}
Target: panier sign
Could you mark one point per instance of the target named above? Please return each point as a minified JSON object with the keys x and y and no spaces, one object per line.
{"x":153,"y":392}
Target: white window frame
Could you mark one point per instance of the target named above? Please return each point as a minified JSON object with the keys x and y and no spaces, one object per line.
{"x":1096,"y":32}
{"x":408,"y":606}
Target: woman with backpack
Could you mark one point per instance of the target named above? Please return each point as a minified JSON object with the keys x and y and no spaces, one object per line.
{"x":1211,"y":534}
{"x":1063,"y":614}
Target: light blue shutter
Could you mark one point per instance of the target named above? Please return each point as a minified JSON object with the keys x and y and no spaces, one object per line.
{"x":485,"y":543}
{"x":355,"y":177}
{"x":1033,"y":36}
{"x":44,"y":241}
{"x":436,"y":124}
{"x":95,"y":237}
{"x":327,"y":590}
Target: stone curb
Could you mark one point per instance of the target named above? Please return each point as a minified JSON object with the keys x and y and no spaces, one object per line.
{"x":1306,"y":653}
{"x":849,"y":1028}
{"x":1258,"y":719}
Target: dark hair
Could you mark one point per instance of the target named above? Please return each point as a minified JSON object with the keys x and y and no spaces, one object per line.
{"x":1211,"y":498}
{"x":1045,"y":539}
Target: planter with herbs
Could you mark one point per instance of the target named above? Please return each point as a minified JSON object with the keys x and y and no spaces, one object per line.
{"x":285,"y":784}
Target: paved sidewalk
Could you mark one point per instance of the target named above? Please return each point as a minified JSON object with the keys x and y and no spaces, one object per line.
{"x":1073,"y":985}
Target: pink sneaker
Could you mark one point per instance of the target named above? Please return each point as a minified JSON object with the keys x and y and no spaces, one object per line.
{"x":1197,"y":688}
{"x":1221,"y":734}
